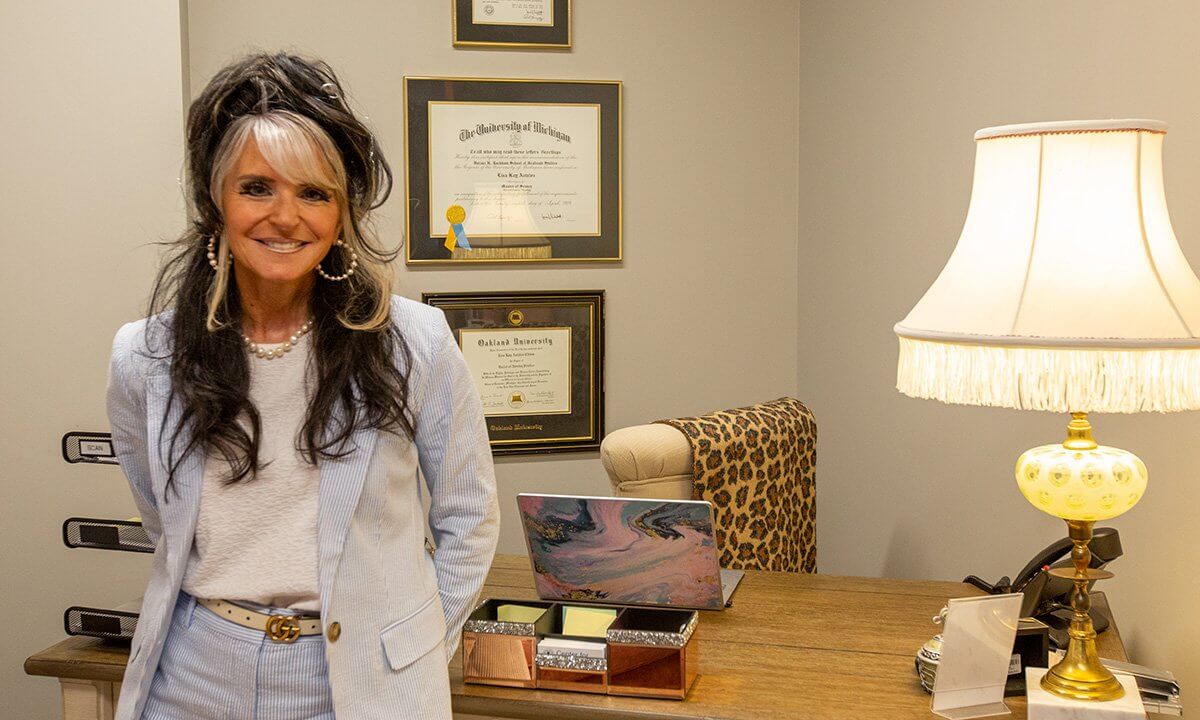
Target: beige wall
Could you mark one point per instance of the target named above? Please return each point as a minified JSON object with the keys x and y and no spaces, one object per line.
{"x":709,"y":194}
{"x":92,"y":141}
{"x":890,"y":94}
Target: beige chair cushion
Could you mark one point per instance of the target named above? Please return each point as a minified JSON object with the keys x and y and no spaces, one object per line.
{"x":648,"y":461}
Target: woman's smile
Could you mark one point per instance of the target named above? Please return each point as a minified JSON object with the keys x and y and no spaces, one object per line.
{"x":283,"y":247}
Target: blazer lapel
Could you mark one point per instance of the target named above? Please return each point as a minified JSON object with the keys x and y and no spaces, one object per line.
{"x":180,"y":506}
{"x":341,"y":485}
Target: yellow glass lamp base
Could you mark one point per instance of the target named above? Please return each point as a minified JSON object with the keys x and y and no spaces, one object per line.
{"x":1081,"y":482}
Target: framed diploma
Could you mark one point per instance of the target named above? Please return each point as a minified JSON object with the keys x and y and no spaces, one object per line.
{"x":512,"y":170}
{"x":512,"y":23}
{"x":537,"y":359}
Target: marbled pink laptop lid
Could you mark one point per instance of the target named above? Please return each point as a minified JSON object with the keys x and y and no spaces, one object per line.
{"x":622,"y":550}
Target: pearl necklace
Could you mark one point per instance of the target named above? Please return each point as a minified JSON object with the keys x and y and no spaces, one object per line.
{"x":278,"y":351}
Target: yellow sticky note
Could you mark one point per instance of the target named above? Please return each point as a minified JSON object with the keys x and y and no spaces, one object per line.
{"x":518,"y":613}
{"x":587,"y":622}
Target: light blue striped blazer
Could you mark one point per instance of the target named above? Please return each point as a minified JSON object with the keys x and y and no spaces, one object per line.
{"x":400,"y":610}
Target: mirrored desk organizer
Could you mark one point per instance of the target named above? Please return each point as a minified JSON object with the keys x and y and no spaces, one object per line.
{"x":645,"y":651}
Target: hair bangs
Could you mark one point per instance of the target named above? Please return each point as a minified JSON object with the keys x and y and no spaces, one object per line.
{"x":299,"y":150}
{"x":293,"y":145}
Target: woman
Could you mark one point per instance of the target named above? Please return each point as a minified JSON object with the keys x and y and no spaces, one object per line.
{"x":272,"y":415}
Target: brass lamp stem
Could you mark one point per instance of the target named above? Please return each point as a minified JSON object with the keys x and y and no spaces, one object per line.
{"x":1080,"y":675}
{"x":1079,"y":433}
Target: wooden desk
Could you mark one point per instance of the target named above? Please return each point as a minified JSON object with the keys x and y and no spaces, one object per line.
{"x":792,"y":646}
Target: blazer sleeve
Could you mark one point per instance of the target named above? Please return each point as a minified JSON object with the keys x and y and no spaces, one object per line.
{"x":456,"y":462}
{"x":126,"y":403}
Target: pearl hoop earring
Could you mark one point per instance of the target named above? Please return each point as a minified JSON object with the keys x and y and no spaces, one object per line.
{"x":212,"y":252}
{"x":350,"y":268}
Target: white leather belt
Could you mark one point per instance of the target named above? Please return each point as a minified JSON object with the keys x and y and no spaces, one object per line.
{"x":280,"y":628}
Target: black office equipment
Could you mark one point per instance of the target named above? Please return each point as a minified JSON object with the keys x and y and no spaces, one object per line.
{"x":1047,"y":598}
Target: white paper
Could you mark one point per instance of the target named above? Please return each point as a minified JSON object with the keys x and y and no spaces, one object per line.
{"x":520,"y":371}
{"x":977,"y":644}
{"x":561,"y":646}
{"x":513,"y":12}
{"x":518,"y":169}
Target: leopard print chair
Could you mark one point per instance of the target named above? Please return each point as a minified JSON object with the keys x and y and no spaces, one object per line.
{"x":756,"y":465}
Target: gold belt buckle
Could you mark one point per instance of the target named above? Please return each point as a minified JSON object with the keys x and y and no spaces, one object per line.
{"x":283,"y":628}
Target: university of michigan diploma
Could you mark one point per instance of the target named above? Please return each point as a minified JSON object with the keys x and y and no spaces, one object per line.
{"x":518,"y":169}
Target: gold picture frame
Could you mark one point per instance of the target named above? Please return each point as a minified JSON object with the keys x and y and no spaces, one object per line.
{"x":538,"y":29}
{"x":566,"y":205}
{"x":536,"y":399}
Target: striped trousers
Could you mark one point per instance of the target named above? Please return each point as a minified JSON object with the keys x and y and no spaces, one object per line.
{"x":212,"y":669}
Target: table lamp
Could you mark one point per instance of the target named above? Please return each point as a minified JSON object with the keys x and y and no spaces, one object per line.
{"x":1067,"y":292}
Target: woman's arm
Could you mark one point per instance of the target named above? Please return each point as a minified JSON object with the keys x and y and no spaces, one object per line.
{"x":456,"y":460}
{"x":126,"y":401}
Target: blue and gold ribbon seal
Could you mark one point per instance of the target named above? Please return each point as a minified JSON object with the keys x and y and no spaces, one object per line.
{"x":456,"y":237}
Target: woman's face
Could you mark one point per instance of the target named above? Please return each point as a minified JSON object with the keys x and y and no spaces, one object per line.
{"x":277,"y":231}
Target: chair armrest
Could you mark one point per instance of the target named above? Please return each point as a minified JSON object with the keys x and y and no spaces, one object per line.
{"x":649,"y":461}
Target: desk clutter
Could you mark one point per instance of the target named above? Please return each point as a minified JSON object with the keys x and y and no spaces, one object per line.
{"x":1030,"y":649}
{"x":606,"y":650}
{"x":1147,"y":689}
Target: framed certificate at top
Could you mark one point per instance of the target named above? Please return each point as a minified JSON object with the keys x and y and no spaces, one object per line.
{"x":512,"y":170}
{"x":512,"y":23}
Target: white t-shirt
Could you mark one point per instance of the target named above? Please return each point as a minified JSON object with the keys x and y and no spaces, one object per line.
{"x":256,"y":540}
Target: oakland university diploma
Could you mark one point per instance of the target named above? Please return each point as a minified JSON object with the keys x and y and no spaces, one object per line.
{"x":518,"y":169}
{"x":520,"y":371}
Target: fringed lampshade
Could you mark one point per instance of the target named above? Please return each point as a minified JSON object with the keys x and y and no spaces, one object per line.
{"x":1067,"y":292}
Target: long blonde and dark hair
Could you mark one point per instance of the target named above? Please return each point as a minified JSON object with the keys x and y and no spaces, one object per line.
{"x":295,"y":110}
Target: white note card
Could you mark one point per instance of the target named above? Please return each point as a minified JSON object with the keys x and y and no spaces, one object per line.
{"x":977,"y":644}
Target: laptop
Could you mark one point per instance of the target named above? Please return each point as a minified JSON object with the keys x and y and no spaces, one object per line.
{"x":633,"y":551}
